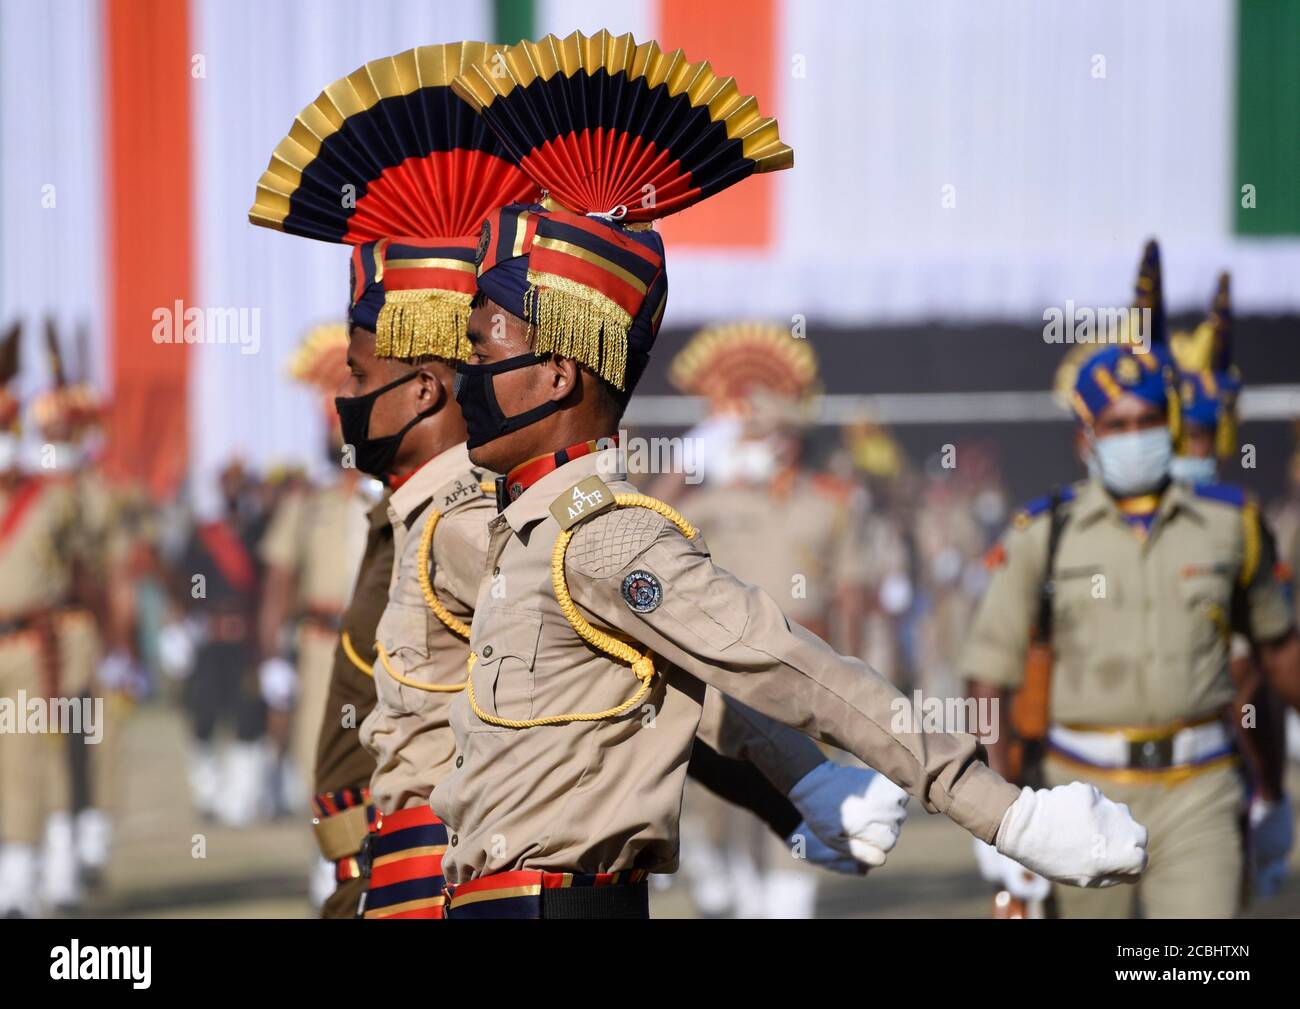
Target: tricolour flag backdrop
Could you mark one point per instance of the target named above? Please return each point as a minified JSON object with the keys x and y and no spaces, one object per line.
{"x":953,"y":161}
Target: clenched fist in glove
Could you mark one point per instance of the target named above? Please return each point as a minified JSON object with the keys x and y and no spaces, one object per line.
{"x":1074,"y":834}
{"x":853,"y":810}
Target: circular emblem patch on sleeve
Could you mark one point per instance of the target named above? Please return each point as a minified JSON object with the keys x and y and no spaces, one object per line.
{"x":642,"y":592}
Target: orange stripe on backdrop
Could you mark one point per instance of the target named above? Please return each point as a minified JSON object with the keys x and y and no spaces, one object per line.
{"x":739,"y":40}
{"x":147,"y":72}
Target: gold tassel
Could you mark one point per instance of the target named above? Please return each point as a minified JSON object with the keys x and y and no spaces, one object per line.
{"x":414,"y":324}
{"x":1227,"y":432}
{"x":572,"y":320}
{"x":1175,"y":416}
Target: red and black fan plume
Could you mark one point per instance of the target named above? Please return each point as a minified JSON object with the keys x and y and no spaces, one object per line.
{"x":390,"y":151}
{"x":608,"y":126}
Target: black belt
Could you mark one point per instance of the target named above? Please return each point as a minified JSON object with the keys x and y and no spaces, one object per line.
{"x":587,"y":902}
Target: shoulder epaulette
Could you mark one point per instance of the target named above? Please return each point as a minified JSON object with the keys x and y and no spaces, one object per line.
{"x":581,"y":501}
{"x":1225,"y":493}
{"x":466,"y":487}
{"x":833,"y":486}
{"x":1040,"y":506}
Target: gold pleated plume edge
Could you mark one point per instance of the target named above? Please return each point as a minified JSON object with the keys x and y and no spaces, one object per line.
{"x":700,"y":352}
{"x":521,"y":64}
{"x":359,"y":91}
{"x":330,"y":337}
{"x":424,"y":323}
{"x":1194,"y":351}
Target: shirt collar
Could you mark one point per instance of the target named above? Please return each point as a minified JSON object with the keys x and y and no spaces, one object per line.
{"x":534,"y":503}
{"x":523,"y":476}
{"x":1095,"y":501}
{"x":420,"y":485}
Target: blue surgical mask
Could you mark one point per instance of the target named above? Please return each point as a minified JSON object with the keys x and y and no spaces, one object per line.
{"x":1193,"y":470}
{"x":1132,"y":463}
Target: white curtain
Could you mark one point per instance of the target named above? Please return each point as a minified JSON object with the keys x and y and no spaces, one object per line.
{"x":1058,"y":173}
{"x":264,"y":63}
{"x":52,"y":177}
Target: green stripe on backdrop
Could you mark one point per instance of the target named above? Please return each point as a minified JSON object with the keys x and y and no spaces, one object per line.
{"x":1268,"y":117}
{"x":514,"y":20}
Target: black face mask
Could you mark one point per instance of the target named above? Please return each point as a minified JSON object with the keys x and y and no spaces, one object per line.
{"x":373,"y":455}
{"x":484,"y":419}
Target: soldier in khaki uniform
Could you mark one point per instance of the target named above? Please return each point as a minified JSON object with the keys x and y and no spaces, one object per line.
{"x":77,"y":840}
{"x":410,"y":301}
{"x":872,"y":455}
{"x":791,"y":531}
{"x":589,"y":661}
{"x":1208,"y":386}
{"x":311,"y":550}
{"x":1148,"y":579}
{"x":36,"y":514}
{"x":342,"y":810}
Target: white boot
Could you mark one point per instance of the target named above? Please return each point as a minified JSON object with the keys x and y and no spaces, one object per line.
{"x":244,"y":774}
{"x":789,"y":893}
{"x":321,"y":883}
{"x":94,"y":837}
{"x":60,"y":884}
{"x":705,"y":869}
{"x":17,"y":881}
{"x":204,"y":778}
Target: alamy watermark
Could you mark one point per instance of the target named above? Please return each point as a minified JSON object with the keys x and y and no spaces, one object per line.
{"x":977,"y":716}
{"x":1080,"y":324}
{"x":178,"y":323}
{"x":23,"y":715}
{"x":651,"y":455}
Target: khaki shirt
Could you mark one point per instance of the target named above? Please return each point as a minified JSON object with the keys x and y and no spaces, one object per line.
{"x":597,"y":796}
{"x":341,"y":761}
{"x":1140,"y":628}
{"x":320,"y":536}
{"x":808,"y":530}
{"x":37,"y":521}
{"x":407,"y":732}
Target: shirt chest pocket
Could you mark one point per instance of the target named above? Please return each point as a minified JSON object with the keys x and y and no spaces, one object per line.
{"x":507,"y":652}
{"x":1084,"y":597}
{"x":1205,"y":598}
{"x":403,"y":634}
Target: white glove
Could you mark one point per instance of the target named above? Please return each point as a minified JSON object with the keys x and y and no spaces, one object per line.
{"x":176,"y":650}
{"x":116,"y":672}
{"x":1010,"y":875}
{"x":1074,"y":834}
{"x":279,"y":682}
{"x":1271,"y":835}
{"x":803,"y":843}
{"x":853,"y":810}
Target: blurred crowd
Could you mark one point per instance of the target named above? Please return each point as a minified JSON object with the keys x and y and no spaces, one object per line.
{"x":227,"y":602}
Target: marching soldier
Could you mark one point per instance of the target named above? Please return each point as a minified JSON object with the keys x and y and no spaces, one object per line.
{"x":215,"y":584}
{"x":1208,"y":387}
{"x":36,"y":515}
{"x":342,"y":808}
{"x":410,"y":304}
{"x":1136,"y":584}
{"x":63,"y":417}
{"x":793,"y":532}
{"x":311,"y":550}
{"x":874,"y":456}
{"x":588,"y":661}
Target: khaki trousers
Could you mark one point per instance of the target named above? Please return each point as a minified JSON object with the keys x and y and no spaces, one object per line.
{"x":315,"y":665}
{"x":1194,"y":848}
{"x":78,"y":659}
{"x":24,"y":758}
